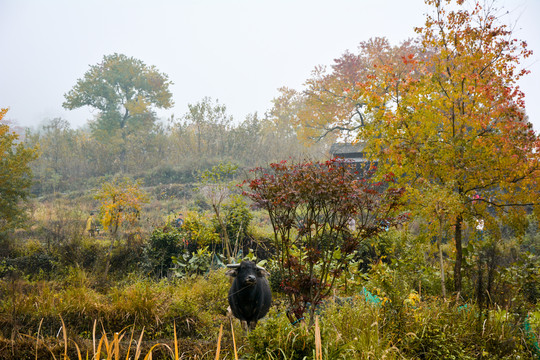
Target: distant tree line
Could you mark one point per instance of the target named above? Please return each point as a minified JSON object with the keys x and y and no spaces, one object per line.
{"x":166,"y":152}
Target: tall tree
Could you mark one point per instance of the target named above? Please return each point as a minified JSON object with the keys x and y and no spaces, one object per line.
{"x":58,"y":158}
{"x":331,"y":106}
{"x":455,"y":120}
{"x":216,"y":186}
{"x":209,"y":123}
{"x":124,"y":90}
{"x":282,"y":135}
{"x":15,"y":176}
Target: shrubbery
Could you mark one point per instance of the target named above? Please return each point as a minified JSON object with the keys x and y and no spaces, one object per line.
{"x":159,"y":250}
{"x":359,"y":329}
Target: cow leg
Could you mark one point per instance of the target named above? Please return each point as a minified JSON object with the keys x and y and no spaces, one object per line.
{"x":244,"y":325}
{"x":252,"y":324}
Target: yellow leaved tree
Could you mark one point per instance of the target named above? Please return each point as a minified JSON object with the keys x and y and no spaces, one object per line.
{"x":121,"y":203}
{"x":454,"y":125}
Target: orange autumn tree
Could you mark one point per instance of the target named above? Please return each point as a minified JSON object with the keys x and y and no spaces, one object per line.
{"x":455,"y":120}
{"x":331,"y":104}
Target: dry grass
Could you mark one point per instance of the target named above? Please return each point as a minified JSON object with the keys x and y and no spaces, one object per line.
{"x":337,"y":333}
{"x":115,"y":346}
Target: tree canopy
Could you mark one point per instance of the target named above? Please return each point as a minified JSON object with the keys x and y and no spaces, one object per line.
{"x":331,"y":105}
{"x":455,"y":120}
{"x":124,"y":90}
{"x":443,"y":112}
{"x":15,"y":176}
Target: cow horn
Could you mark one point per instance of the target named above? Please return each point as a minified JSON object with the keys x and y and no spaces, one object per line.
{"x":260,"y":268}
{"x":233,"y":266}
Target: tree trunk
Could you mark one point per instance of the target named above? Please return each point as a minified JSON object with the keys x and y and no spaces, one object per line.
{"x":224,"y":235}
{"x":114,"y":232}
{"x":480,"y":283}
{"x":123,"y":151}
{"x":492,"y":264}
{"x":108,"y":261}
{"x":441,"y":260}
{"x":459,"y":254}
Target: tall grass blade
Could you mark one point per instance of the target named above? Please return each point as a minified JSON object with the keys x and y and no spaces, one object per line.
{"x":79,"y":356}
{"x":116,"y":346}
{"x":318,"y":343}
{"x":234,"y":341}
{"x":97,"y":355}
{"x":175,"y":342}
{"x":138,"y":349}
{"x":94,"y":338}
{"x":219,"y":342}
{"x":64,"y":332}
{"x":149,"y":355}
{"x":37,"y":337}
{"x":106,"y":342}
{"x":130,"y":340}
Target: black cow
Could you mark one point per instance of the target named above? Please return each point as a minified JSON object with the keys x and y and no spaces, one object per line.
{"x":249,"y":295}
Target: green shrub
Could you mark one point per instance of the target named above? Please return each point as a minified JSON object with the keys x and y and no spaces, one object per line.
{"x":200,"y":231}
{"x":158,"y":252}
{"x":237,"y":219}
{"x":196,"y":263}
{"x":275,"y":338}
{"x":35,"y":265}
{"x":168,"y":175}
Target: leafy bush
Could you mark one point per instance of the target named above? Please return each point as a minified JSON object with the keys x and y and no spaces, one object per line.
{"x":161,"y":247}
{"x":237,"y":219}
{"x":321,"y":213}
{"x":196,"y":263}
{"x":200,"y":230}
{"x":35,"y":264}
{"x":31,"y":259}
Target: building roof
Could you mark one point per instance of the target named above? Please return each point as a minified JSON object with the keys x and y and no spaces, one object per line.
{"x":347,"y":149}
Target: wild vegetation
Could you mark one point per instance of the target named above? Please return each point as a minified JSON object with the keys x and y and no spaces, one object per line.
{"x":114,"y":237}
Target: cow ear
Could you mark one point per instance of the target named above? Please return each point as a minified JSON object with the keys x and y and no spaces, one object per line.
{"x":262,"y":272}
{"x":231,"y":272}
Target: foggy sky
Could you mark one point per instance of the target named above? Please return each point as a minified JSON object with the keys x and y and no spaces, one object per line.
{"x":237,"y":51}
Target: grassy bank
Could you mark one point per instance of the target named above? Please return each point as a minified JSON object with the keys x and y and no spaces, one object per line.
{"x":71,"y":316}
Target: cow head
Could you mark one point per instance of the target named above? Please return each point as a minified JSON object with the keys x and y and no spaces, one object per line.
{"x":246,"y":272}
